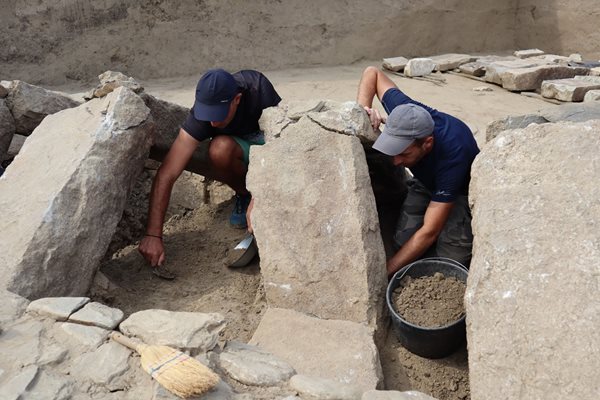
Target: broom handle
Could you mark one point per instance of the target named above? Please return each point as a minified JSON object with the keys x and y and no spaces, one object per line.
{"x":125,"y":341}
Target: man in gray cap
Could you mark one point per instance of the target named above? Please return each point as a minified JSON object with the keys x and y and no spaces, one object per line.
{"x":438,"y":149}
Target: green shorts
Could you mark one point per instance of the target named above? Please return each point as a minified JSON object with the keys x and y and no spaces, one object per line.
{"x":255,"y":139}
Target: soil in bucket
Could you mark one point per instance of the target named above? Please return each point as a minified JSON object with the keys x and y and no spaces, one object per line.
{"x":430,"y":301}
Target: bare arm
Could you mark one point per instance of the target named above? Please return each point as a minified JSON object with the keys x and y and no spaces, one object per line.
{"x":173,"y":165}
{"x":373,"y":82}
{"x":435,"y":218}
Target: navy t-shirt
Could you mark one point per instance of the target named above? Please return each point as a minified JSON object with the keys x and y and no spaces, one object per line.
{"x":446,"y":170}
{"x":257,"y":94}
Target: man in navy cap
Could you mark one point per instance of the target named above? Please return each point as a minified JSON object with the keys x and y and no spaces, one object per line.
{"x":226,"y":111}
{"x":438,"y":149}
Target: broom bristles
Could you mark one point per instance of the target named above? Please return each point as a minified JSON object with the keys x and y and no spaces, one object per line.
{"x":176,"y":371}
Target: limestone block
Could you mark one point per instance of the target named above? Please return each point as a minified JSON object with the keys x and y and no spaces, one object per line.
{"x":395,"y":64}
{"x":185,"y":330}
{"x":394,"y":395}
{"x":30,"y":104}
{"x":447,"y":62}
{"x":109,"y":81}
{"x":17,"y":142}
{"x":419,"y":67}
{"x":58,"y":308}
{"x":326,"y":389}
{"x":474,"y":68}
{"x":494,"y":70}
{"x":252,"y":366}
{"x":512,"y":122}
{"x":296,"y":109}
{"x":531,"y":78}
{"x":105,"y":366}
{"x":316,"y":224}
{"x":532,"y":298}
{"x":342,"y":351}
{"x":348,"y":118}
{"x":7,"y":129}
{"x":63,"y":195}
{"x":572,"y":90}
{"x":592,"y":95}
{"x":98,"y":314}
{"x":528,"y":53}
{"x":16,"y":387}
{"x":572,"y":112}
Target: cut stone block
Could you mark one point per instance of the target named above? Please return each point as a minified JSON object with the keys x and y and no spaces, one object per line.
{"x":475,"y":68}
{"x":395,"y":64}
{"x":447,"y":62}
{"x":573,"y":90}
{"x":316,"y":225}
{"x":494,"y":70}
{"x":58,"y":308}
{"x":193,"y":331}
{"x":512,"y":122}
{"x":342,"y":351}
{"x":394,"y":395}
{"x":7,"y":129}
{"x":528,"y":53}
{"x":572,"y":112}
{"x":252,"y":366}
{"x":98,"y":314}
{"x":532,"y":295}
{"x":89,"y":336}
{"x":63,"y":195}
{"x":592,"y":95}
{"x":419,"y":67}
{"x":30,"y":104}
{"x":105,"y":366}
{"x":322,"y":388}
{"x":531,"y":78}
{"x":109,"y":81}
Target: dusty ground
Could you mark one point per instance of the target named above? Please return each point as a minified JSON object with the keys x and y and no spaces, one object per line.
{"x":198,"y":242}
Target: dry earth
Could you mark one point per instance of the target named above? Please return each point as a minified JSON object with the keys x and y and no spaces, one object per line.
{"x":198,"y":242}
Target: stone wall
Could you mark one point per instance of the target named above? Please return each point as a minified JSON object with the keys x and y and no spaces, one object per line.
{"x":78,"y":39}
{"x":559,"y":26}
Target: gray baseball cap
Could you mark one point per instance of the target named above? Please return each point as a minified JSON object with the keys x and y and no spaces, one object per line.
{"x":405,"y":123}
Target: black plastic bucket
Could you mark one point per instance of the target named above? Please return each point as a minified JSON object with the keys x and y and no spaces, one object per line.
{"x":428,"y":342}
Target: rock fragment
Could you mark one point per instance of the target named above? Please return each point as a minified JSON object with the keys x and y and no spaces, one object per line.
{"x":109,"y":81}
{"x":419,"y":67}
{"x":396,"y":64}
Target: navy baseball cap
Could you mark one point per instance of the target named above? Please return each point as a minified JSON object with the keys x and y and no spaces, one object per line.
{"x":214,"y":92}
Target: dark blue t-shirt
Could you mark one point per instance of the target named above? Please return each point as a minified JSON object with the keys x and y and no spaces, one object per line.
{"x":446,"y":170}
{"x":257,"y":94}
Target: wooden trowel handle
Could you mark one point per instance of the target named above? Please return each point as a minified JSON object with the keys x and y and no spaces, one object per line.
{"x":125,"y":341}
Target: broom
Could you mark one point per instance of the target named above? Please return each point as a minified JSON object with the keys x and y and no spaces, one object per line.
{"x":177,"y":372}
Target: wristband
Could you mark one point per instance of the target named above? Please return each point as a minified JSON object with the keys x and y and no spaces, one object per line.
{"x":159,"y":237}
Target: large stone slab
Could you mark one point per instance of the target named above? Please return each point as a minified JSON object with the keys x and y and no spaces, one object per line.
{"x":184,"y":330}
{"x":105,"y":366}
{"x":316,"y":224}
{"x":531,"y":78}
{"x":58,"y":308}
{"x":572,"y":112}
{"x":447,"y":62}
{"x":532,"y":295}
{"x":98,"y":314}
{"x":573,"y":89}
{"x":324,"y":389}
{"x":64,"y":193}
{"x":512,"y":122}
{"x":494,"y":69}
{"x":528,"y":53}
{"x":342,"y":351}
{"x":7,"y":129}
{"x":30,"y":104}
{"x":395,"y":64}
{"x":592,"y":95}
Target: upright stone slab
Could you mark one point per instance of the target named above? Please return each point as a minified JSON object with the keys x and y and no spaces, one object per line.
{"x":573,"y":89}
{"x":316,"y":224}
{"x":531,"y":78}
{"x":30,"y":104}
{"x":64,"y":193}
{"x":342,"y":351}
{"x":532,"y":301}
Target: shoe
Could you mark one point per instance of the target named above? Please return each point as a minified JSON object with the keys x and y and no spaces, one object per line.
{"x":238,"y":216}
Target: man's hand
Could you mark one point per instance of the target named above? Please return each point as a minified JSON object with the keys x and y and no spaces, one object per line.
{"x":248,"y":215}
{"x":153,"y":250}
{"x":375,"y":117}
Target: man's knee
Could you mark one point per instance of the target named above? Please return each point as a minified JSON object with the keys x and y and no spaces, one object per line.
{"x":223,"y":150}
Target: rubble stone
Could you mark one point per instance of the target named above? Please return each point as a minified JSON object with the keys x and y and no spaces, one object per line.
{"x":419,"y":67}
{"x":348,"y":118}
{"x":109,"y":81}
{"x":533,"y":278}
{"x":30,"y":104}
{"x":324,"y":389}
{"x":512,"y":122}
{"x":197,"y":332}
{"x":7,"y":129}
{"x":99,"y":315}
{"x":57,"y":217}
{"x":315,"y":219}
{"x":89,"y":336}
{"x":395,"y":64}
{"x":104,"y":366}
{"x":447,"y":62}
{"x":570,"y":89}
{"x":394,"y":395}
{"x":273,"y":121}
{"x":313,"y":347}
{"x":531,"y":78}
{"x":58,"y":308}
{"x":528,"y":53}
{"x":592,"y":95}
{"x":252,"y":366}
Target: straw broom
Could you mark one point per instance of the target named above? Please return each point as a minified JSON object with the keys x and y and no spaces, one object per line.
{"x":177,"y":372}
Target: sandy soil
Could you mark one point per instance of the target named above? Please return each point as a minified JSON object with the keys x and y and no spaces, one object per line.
{"x":198,"y":242}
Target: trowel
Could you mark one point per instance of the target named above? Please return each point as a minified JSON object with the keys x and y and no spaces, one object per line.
{"x":247,"y":250}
